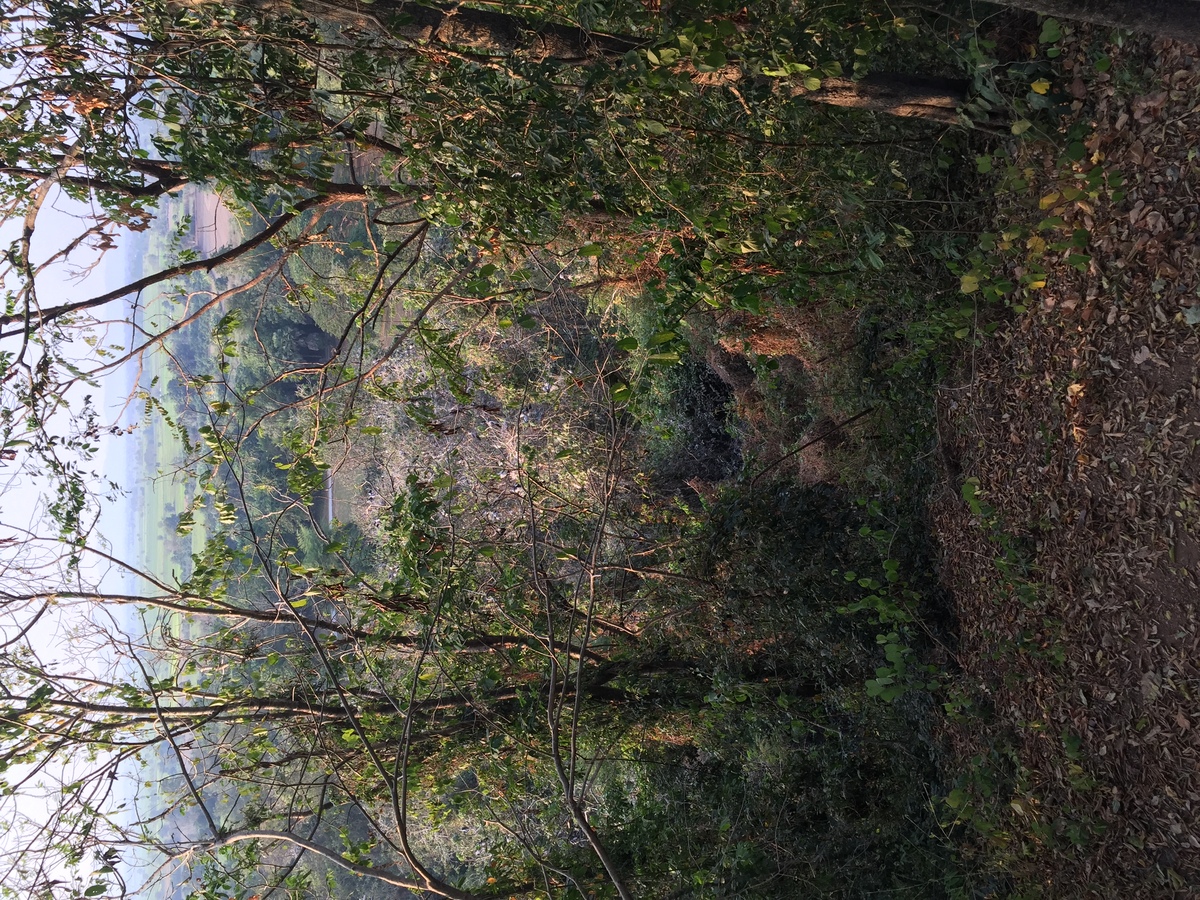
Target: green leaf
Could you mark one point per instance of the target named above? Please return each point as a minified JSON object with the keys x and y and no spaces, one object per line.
{"x":969,"y":284}
{"x":662,"y":337}
{"x":983,"y":164}
{"x":663,"y":359}
{"x":749,"y":302}
{"x":591,"y":250}
{"x":627,"y":344}
{"x":1021,"y":126}
{"x":226,"y":325}
{"x":1191,"y":314}
{"x":812,"y":83}
{"x":1051,"y":32}
{"x":95,"y":890}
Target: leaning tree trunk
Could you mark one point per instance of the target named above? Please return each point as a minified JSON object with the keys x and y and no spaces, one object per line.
{"x":1178,"y":19}
{"x":468,"y":30}
{"x":483,"y":33}
{"x":907,"y":96}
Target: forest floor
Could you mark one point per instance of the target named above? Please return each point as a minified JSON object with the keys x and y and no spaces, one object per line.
{"x":1080,"y":423}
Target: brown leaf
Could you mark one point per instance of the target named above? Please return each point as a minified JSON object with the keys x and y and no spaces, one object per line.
{"x":1155,"y":222}
{"x":1147,"y":108}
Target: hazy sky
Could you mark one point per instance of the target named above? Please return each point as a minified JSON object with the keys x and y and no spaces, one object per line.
{"x":25,"y":565}
{"x":87,"y":273}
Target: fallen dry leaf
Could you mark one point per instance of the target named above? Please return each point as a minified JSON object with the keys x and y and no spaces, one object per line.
{"x":1099,"y":479}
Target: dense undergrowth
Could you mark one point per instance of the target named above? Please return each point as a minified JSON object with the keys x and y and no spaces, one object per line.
{"x":819,"y":755}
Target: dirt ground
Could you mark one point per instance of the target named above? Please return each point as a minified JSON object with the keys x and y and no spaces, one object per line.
{"x":1081,"y":422}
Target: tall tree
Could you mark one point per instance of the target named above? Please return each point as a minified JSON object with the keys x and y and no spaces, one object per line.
{"x":501,"y":125}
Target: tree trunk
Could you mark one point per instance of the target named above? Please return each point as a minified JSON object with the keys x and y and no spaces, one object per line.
{"x":1178,"y":19}
{"x":907,"y":96}
{"x":482,"y":33}
{"x":477,"y":32}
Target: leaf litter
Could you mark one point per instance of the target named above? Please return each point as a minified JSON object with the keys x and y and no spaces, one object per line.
{"x":1081,"y":422}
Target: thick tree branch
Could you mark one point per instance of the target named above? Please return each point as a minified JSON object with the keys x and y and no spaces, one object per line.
{"x":1178,"y":19}
{"x":40,"y":318}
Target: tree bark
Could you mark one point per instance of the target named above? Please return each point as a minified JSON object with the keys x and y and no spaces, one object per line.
{"x":1178,"y":19}
{"x":452,"y":27}
{"x":906,"y":96}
